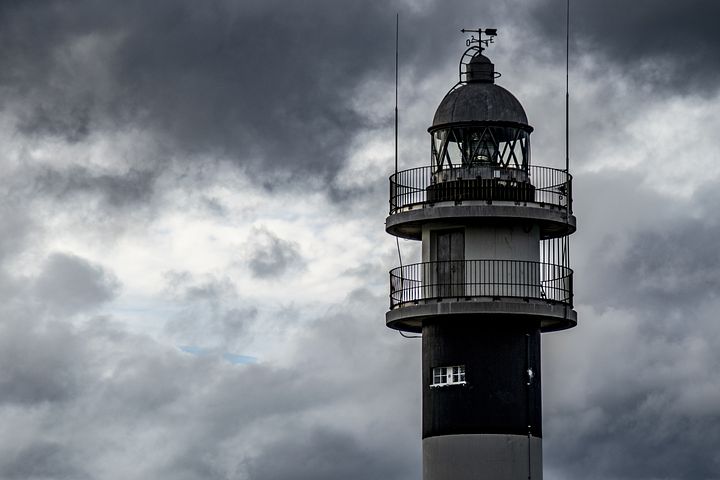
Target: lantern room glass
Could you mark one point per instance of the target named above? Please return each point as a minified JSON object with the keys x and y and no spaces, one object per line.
{"x":470,"y":147}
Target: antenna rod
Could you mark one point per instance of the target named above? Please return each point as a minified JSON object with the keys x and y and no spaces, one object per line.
{"x":397,"y":29}
{"x":567,"y":88}
{"x":566,"y":240}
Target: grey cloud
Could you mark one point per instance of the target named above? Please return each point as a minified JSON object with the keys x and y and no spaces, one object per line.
{"x":264,"y":84}
{"x":214,"y":325}
{"x":367,"y":270}
{"x":642,"y":386}
{"x":214,"y":206}
{"x":213,"y":314}
{"x":271,"y":256}
{"x":317,"y":455}
{"x":642,"y":378}
{"x":71,"y":122}
{"x":644,"y":251}
{"x":664,"y":44}
{"x":678,"y":264}
{"x":70,"y":284}
{"x":36,"y":365}
{"x":664,"y":270}
{"x":630,"y":447}
{"x":203,"y":416}
{"x":632,"y":392}
{"x":18,"y":228}
{"x":183,"y":286}
{"x":40,"y":461}
{"x":131,"y":188}
{"x":254,"y":82}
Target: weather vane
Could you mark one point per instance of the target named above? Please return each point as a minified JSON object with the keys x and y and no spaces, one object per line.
{"x":483,"y":42}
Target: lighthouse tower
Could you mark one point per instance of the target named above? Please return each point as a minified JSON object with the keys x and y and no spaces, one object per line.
{"x":494,"y":275}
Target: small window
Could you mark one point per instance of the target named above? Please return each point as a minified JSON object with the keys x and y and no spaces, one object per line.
{"x":448,"y":376}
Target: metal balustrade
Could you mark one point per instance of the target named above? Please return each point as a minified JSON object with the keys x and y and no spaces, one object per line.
{"x":420,"y":186}
{"x":468,"y":279}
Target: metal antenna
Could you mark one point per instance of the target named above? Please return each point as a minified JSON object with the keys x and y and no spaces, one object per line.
{"x":397,"y":34}
{"x":568,"y":187}
{"x":397,"y":30}
{"x":567,"y":87}
{"x":397,"y":240}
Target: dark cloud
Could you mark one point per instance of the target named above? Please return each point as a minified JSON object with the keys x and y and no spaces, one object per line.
{"x":35,"y":364}
{"x":70,"y":284}
{"x":261,"y":83}
{"x":645,"y":251}
{"x":643,"y":377}
{"x":18,"y":227}
{"x":183,"y":286}
{"x":71,"y":123}
{"x":664,"y":44}
{"x":314,"y":455}
{"x":270,"y":256}
{"x":200,"y":415}
{"x":627,"y":447}
{"x":115,"y":191}
{"x":39,"y":461}
{"x":265,"y":84}
{"x":212,"y":314}
{"x":678,"y":265}
{"x":641,"y":384}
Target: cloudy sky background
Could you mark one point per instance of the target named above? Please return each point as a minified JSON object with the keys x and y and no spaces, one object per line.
{"x":193,"y":265}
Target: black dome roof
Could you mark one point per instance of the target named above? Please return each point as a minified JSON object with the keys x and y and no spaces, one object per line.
{"x":479,"y":102}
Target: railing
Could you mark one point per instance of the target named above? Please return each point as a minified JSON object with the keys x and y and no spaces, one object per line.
{"x":468,"y":279}
{"x":419,"y":186}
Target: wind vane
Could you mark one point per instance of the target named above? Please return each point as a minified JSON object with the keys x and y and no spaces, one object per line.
{"x":489,"y":32}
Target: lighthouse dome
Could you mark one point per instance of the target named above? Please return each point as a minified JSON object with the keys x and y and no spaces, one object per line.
{"x":479,"y":102}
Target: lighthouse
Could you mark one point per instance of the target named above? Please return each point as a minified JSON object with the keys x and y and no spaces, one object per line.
{"x":495,"y":274}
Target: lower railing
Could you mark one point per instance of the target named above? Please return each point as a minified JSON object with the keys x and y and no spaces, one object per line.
{"x":468,"y":279}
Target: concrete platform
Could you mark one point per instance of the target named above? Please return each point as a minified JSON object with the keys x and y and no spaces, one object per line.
{"x":551,"y":316}
{"x":407,"y":223}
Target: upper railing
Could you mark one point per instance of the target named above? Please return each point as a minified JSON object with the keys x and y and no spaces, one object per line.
{"x":419,"y":186}
{"x":472,"y":279}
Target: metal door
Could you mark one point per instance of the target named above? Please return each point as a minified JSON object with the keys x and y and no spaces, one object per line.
{"x":450,"y":266}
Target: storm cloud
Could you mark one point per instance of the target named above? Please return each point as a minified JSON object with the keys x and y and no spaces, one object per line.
{"x":271,"y":256}
{"x":657,"y":43}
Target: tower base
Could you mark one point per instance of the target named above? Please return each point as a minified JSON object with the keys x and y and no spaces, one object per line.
{"x":481,"y":456}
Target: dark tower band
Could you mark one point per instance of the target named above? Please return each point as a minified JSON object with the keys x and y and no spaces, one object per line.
{"x":494,"y":275}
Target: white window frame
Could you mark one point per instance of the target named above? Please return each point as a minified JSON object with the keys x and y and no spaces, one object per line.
{"x":446,"y":376}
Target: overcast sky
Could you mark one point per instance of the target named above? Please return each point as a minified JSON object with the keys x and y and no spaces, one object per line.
{"x":193,"y":263}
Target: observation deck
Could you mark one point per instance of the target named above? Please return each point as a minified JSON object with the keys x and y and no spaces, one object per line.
{"x":527,"y":291}
{"x":482,"y":193}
